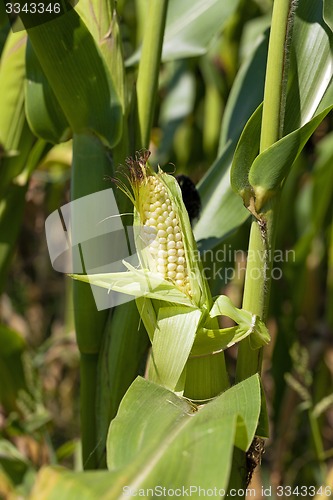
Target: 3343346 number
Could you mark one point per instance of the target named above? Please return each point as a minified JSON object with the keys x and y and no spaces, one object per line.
{"x":303,"y":491}
{"x":33,"y":8}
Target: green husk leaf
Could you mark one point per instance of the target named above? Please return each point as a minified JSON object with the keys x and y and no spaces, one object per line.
{"x":138,"y":283}
{"x":208,"y":341}
{"x":259,"y":334}
{"x":173,"y":339}
{"x":200,"y":291}
{"x":148,"y":314}
{"x":224,"y":307}
{"x":250,"y":324}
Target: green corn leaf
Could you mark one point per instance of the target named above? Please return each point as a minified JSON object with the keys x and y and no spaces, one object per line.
{"x":271,"y":167}
{"x":43,"y":111}
{"x":71,"y":60}
{"x":159,"y":440}
{"x":245,"y":154}
{"x":16,"y":140}
{"x":103,"y":24}
{"x":12,"y":73}
{"x":262,"y":175}
{"x":55,"y":482}
{"x":96,"y":15}
{"x":310,"y":70}
{"x":178,"y":446}
{"x":190,"y":27}
{"x":173,"y":339}
{"x":13,"y":462}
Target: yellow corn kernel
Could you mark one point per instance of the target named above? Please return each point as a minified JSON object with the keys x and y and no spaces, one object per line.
{"x":161,"y":232}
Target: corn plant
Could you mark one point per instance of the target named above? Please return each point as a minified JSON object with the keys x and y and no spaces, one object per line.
{"x":186,"y":422}
{"x":185,"y":329}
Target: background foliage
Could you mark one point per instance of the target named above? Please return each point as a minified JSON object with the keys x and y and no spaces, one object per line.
{"x":209,"y":84}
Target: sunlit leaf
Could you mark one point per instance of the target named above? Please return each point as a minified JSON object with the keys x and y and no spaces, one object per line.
{"x":172,"y":343}
{"x":138,"y":284}
{"x":311,"y":64}
{"x":156,"y":437}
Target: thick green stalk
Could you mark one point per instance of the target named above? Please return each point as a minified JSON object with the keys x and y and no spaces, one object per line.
{"x":257,"y":286}
{"x":276,"y":78}
{"x":149,"y":67}
{"x":90,"y":165}
{"x":262,"y":236}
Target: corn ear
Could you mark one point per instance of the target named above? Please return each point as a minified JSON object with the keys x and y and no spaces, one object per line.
{"x":163,"y":233}
{"x":172,"y":294}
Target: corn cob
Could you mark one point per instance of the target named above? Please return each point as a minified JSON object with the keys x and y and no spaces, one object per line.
{"x":160,"y":226}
